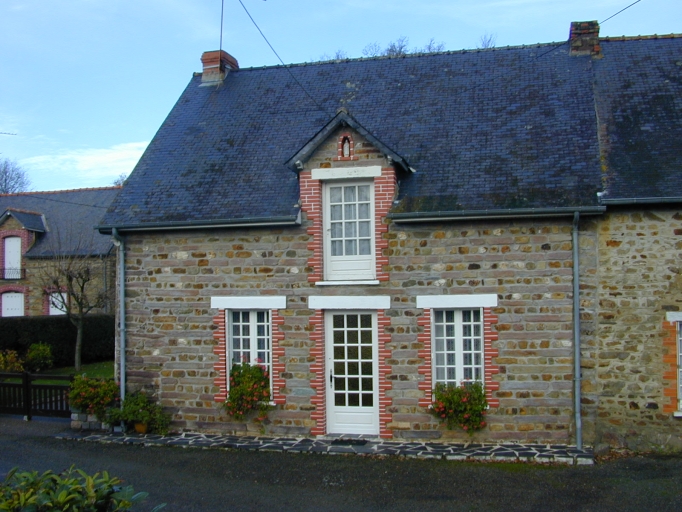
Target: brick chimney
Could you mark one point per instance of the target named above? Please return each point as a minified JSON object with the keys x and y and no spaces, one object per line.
{"x":216,"y":66}
{"x":584,"y":38}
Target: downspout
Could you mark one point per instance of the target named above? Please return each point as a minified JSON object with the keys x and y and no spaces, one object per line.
{"x":576,"y":334}
{"x":119,"y":241}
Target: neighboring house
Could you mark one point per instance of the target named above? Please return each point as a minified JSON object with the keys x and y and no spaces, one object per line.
{"x":367,"y":228}
{"x":38,"y":228}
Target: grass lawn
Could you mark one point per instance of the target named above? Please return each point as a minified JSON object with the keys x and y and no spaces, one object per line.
{"x":103,"y":370}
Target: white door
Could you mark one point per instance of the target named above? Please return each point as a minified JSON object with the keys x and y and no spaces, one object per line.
{"x":12,"y":304}
{"x":352,"y":384}
{"x":12,"y":257}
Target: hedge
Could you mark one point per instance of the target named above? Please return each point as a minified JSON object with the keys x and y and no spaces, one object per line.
{"x":18,"y":333}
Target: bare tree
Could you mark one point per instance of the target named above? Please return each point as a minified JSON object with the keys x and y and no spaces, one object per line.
{"x":400,"y":48}
{"x":487,"y":41}
{"x":118,"y":182}
{"x":13,"y":178}
{"x":338,"y":55}
{"x":74,"y":280}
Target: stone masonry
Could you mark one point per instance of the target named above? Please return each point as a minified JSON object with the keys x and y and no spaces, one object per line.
{"x":171,"y":276}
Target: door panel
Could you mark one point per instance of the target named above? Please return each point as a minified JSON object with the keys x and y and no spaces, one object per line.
{"x":351,"y":347}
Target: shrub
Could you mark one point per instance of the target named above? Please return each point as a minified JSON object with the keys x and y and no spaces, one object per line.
{"x":18,"y":333}
{"x":460,"y":406}
{"x":93,"y":395}
{"x":138,"y":408}
{"x":72,"y":489}
{"x":249,"y":391}
{"x":38,"y":357}
{"x":10,"y":361}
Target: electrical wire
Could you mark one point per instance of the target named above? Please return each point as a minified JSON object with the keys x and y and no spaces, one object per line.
{"x":280,"y":58}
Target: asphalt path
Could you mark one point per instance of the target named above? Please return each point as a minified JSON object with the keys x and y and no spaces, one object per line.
{"x":189,"y":479}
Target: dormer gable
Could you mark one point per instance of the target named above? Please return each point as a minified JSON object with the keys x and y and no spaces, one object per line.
{"x":348,"y":181}
{"x":23,"y":219}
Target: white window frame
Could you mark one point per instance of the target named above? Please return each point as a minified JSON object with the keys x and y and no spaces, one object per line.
{"x":451,"y":340}
{"x":257,"y":330}
{"x":15,"y":295}
{"x":351,"y":267}
{"x":12,"y":248}
{"x":676,"y":318}
{"x":457,"y":304}
{"x":252,"y":305}
{"x":57,"y":303}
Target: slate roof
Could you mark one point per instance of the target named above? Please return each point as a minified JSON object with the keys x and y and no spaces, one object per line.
{"x":639,"y":100}
{"x":65,"y":220}
{"x":488,"y":131}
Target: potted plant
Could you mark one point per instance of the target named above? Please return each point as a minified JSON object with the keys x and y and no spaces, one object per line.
{"x":93,"y":396}
{"x":249,"y":391}
{"x":460,"y":406}
{"x":142,"y":414}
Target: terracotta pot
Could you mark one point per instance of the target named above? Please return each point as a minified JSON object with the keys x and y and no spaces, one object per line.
{"x":141,"y":428}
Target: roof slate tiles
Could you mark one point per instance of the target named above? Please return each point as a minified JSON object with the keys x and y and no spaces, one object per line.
{"x":69,"y":219}
{"x":511,"y":128}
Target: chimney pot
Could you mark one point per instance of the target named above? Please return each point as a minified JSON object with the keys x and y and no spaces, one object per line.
{"x":584,"y":38}
{"x":216,"y":66}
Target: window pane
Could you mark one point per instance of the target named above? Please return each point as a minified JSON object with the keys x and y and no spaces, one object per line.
{"x":352,"y":352}
{"x":367,"y":400}
{"x":363,"y":211}
{"x":335,"y":194}
{"x":349,"y":212}
{"x":337,"y":248}
{"x":349,"y":194}
{"x":336,"y":212}
{"x":363,"y":193}
{"x":354,"y":399}
{"x":337,"y":230}
{"x":350,"y":229}
{"x":365,"y":321}
{"x":351,"y":248}
{"x":365,"y":247}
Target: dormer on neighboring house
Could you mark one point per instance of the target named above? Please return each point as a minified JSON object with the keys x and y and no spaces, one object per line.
{"x":36,"y":227}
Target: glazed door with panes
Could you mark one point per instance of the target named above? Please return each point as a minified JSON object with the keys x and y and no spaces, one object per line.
{"x":351,"y":348}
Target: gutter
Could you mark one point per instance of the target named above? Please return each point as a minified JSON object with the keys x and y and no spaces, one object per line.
{"x":577,"y":376}
{"x":642,"y":200}
{"x":289,"y":220}
{"x":507,"y":213}
{"x":119,"y":241}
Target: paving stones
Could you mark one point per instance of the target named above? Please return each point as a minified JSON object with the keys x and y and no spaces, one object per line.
{"x":360,"y":445}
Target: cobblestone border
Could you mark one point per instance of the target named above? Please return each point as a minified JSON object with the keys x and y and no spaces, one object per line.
{"x":359,"y":445}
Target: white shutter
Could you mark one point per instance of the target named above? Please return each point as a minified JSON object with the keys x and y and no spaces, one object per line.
{"x":12,"y":257}
{"x":12,"y":304}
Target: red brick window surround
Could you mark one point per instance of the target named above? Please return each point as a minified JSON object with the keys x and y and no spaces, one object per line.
{"x":672,"y":364}
{"x":312,"y":204}
{"x":482,"y":303}
{"x":249,"y":307}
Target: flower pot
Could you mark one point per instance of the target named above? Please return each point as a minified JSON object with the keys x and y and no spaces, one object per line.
{"x":141,"y":428}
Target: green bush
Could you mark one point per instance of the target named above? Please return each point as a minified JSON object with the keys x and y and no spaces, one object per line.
{"x":72,"y":490}
{"x":94,"y":396}
{"x":460,"y":406}
{"x":38,"y":357}
{"x":249,"y":391}
{"x":138,"y":408}
{"x":19,"y":333}
{"x":10,"y":361}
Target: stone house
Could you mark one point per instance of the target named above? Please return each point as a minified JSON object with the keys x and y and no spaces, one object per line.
{"x":367,"y":228}
{"x":39,"y":228}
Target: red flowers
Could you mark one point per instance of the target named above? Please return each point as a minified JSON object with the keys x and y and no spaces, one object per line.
{"x":249,"y":391}
{"x":460,"y":406}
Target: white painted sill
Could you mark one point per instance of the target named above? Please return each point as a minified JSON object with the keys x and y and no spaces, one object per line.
{"x":677,"y":414}
{"x":372,"y":282}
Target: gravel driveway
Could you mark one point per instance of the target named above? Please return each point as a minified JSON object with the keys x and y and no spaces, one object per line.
{"x":214,"y":480}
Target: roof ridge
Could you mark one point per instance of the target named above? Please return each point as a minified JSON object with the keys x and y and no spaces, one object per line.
{"x":638,"y":38}
{"x":396,"y":57}
{"x":60,"y":191}
{"x":19,"y":210}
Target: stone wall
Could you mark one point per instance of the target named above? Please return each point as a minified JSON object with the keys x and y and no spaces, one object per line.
{"x":639,"y":280}
{"x":171,"y":277}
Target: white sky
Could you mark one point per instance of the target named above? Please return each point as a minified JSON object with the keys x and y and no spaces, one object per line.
{"x":86,"y":83}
